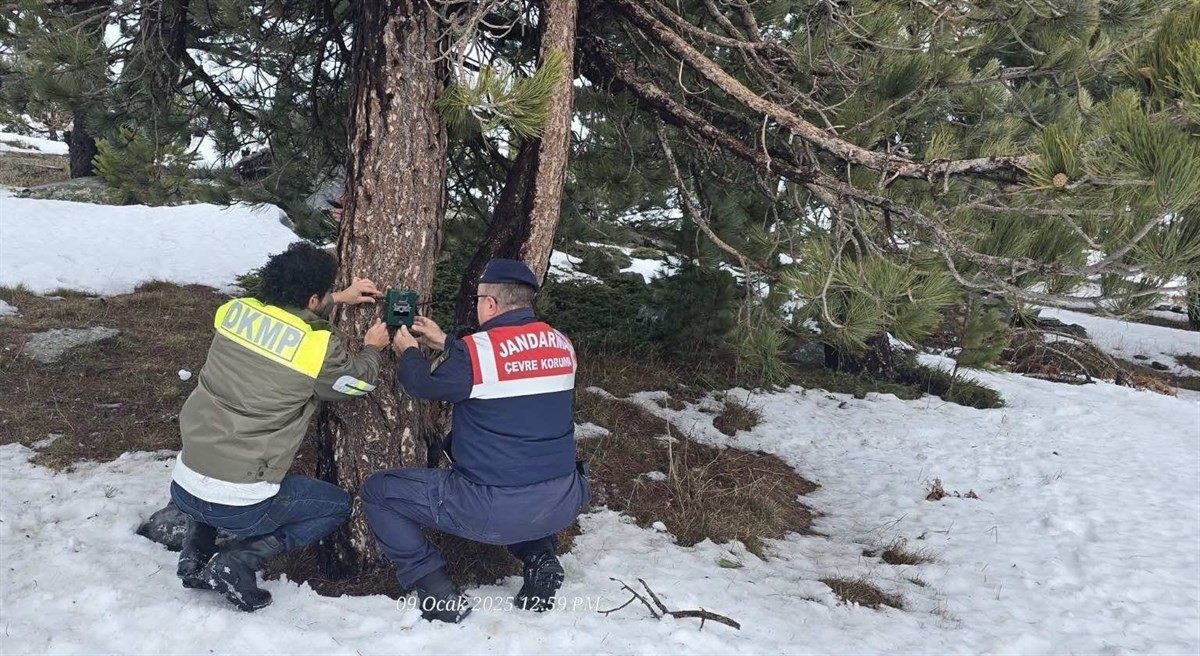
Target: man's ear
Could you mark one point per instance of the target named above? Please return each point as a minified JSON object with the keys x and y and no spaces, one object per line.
{"x":314,"y":302}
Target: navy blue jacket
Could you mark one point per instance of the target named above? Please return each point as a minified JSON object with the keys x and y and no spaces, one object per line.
{"x":505,"y":442}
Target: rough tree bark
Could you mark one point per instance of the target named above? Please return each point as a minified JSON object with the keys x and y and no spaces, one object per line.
{"x":155,"y":68}
{"x":391,"y":233}
{"x":81,"y":148}
{"x":527,"y":214}
{"x":1193,"y":301}
{"x":558,"y":35}
{"x":82,"y":15}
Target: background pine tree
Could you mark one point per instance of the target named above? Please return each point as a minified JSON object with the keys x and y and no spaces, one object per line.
{"x":1097,"y":99}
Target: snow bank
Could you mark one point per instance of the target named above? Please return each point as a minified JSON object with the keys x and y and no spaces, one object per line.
{"x":7,"y":310}
{"x":77,"y":580}
{"x":19,"y":143}
{"x":105,"y":249}
{"x":1126,"y":339}
{"x":1085,"y":539}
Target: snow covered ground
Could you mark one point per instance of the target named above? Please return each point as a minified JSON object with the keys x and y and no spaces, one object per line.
{"x":1085,"y":539}
{"x":103,"y":249}
{"x":1127,"y":339}
{"x":18,"y":143}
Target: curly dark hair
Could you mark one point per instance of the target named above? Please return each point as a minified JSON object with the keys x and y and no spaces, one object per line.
{"x":290,"y":278}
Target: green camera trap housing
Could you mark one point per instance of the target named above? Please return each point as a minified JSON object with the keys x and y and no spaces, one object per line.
{"x":401,"y":308}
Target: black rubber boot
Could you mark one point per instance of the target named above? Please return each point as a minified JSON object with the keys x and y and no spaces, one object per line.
{"x":199,"y":545}
{"x":232,"y":571}
{"x":543,"y":577}
{"x":439,"y":599}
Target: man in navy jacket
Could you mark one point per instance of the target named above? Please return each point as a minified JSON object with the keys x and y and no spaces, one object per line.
{"x":514,"y":479}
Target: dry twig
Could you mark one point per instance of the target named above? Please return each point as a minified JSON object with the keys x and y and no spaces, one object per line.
{"x":661,"y":610}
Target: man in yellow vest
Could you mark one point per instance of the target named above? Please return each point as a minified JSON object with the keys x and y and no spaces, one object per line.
{"x":272,"y":360}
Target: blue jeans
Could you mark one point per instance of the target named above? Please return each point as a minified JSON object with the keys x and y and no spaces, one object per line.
{"x":398,"y":502}
{"x":302,"y":512}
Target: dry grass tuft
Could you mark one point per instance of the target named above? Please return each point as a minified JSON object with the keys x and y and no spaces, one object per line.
{"x":737,"y":416}
{"x":1078,"y":363}
{"x":899,"y":553}
{"x":21,"y":170}
{"x":937,"y":492}
{"x":718,"y":494}
{"x":671,"y":403}
{"x":862,"y":592}
{"x":622,"y":375}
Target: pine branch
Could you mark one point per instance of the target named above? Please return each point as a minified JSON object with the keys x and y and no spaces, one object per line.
{"x":1008,"y":74}
{"x":749,"y":21}
{"x":697,"y":216}
{"x":601,"y":64}
{"x":215,"y":88}
{"x":897,"y":167}
{"x":724,"y":22}
{"x":771,"y":47}
{"x":608,"y":70}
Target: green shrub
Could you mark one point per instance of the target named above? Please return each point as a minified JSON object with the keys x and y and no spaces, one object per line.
{"x":145,"y":172}
{"x":644,"y":253}
{"x":621,"y":259}
{"x":609,"y":316}
{"x":912,"y":381}
{"x":761,"y":346}
{"x":857,"y":385}
{"x":696,"y":310}
{"x":250,"y":281}
{"x":948,"y":385}
{"x":984,"y":335}
{"x":600,"y":261}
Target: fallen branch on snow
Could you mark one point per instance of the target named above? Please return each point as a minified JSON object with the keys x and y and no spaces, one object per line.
{"x":661,"y":609}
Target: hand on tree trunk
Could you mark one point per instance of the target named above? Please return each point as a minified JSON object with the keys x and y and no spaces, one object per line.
{"x":377,"y":335}
{"x":362,"y":290}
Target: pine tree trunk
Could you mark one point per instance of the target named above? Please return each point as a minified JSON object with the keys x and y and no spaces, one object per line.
{"x":506,"y":233}
{"x":390,"y":233}
{"x":880,"y":360}
{"x":1193,"y":301}
{"x":156,"y":66}
{"x":81,"y":148}
{"x":527,"y":214}
{"x":558,"y":35}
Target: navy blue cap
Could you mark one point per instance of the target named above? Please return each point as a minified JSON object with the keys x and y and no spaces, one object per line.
{"x":508,"y":271}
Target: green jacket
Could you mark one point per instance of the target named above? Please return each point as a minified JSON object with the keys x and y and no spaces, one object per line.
{"x":266,"y":372}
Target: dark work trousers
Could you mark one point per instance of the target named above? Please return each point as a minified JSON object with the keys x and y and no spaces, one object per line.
{"x":398,"y":502}
{"x":302,"y":512}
